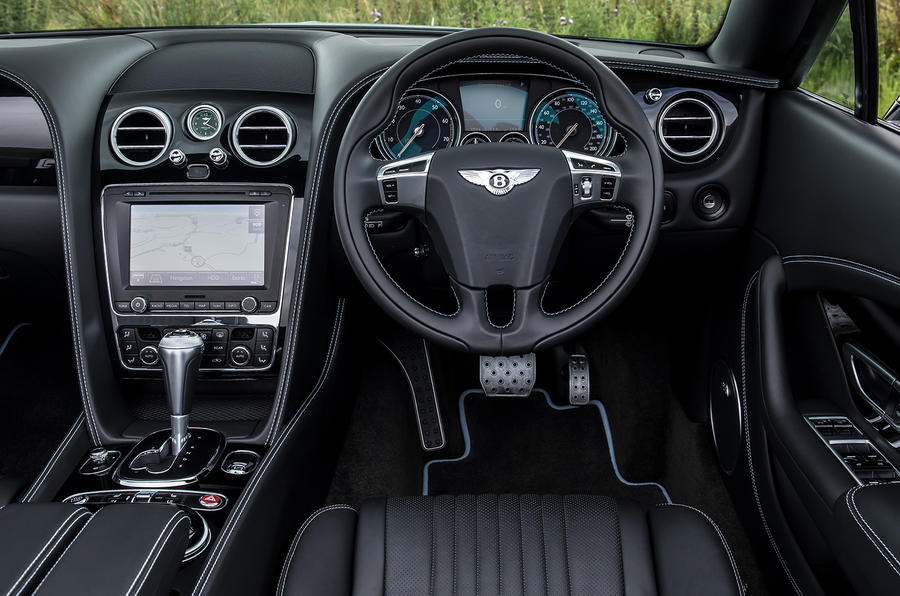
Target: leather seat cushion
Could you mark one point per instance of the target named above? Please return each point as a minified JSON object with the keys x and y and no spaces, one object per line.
{"x":511,"y":545}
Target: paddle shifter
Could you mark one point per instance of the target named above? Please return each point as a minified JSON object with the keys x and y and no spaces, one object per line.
{"x":181,"y":455}
{"x":180,"y":352}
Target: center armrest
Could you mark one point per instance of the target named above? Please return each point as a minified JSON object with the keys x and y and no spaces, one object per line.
{"x":122,"y":549}
{"x":867,"y":537}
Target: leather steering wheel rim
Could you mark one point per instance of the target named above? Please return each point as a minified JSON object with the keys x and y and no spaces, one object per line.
{"x":356,"y":194}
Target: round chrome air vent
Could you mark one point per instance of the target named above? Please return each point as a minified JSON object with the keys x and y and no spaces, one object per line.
{"x":262,"y":135}
{"x":140,"y":135}
{"x":689,"y":129}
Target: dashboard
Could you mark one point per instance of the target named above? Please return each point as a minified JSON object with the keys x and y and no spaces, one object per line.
{"x":450,"y":111}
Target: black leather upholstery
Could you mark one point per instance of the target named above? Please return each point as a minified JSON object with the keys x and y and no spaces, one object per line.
{"x":33,"y":536}
{"x":122,"y":549}
{"x":10,"y":487}
{"x":508,"y":544}
{"x":866,"y":537}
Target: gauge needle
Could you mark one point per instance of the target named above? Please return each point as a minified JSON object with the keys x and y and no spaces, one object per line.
{"x":569,"y":132}
{"x":417,"y":132}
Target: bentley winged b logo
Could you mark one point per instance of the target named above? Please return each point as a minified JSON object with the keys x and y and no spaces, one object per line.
{"x":498,"y":182}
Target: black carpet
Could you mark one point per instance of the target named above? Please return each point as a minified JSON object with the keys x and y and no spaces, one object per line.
{"x":523,"y":445}
{"x":40,"y":407}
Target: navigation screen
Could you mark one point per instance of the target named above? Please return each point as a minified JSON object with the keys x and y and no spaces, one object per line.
{"x":494,"y":105}
{"x":198,"y":245}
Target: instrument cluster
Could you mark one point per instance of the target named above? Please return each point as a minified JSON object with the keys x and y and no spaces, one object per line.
{"x":458,"y":110}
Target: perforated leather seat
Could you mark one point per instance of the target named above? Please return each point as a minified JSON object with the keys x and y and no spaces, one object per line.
{"x":508,"y":545}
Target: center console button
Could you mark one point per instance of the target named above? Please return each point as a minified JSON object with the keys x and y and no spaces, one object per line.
{"x":157,"y":305}
{"x":232,"y":306}
{"x":264,"y":347}
{"x":122,"y":306}
{"x":138,"y":304}
{"x":202,"y":305}
{"x":171,"y":306}
{"x":217,"y":305}
{"x":131,"y":360}
{"x":265,"y":334}
{"x":212,"y":348}
{"x":249,"y":304}
{"x":267,"y":306}
{"x":240,"y":355}
{"x":262,"y":359}
{"x":126,"y":334}
{"x":220,"y":334}
{"x":149,"y":355}
{"x":129,"y":347}
{"x":186,"y":306}
{"x":205,"y":334}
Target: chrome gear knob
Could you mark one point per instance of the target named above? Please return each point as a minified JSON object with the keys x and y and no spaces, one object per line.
{"x":180,"y":352}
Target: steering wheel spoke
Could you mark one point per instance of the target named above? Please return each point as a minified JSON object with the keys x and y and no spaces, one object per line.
{"x":595,"y":181}
{"x":402,"y":182}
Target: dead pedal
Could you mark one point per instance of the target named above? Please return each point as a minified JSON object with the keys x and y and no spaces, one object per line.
{"x":507,"y":375}
{"x":411,"y":353}
{"x":579,"y":380}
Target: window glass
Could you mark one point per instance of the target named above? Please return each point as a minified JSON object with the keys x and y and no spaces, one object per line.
{"x":888,"y":58}
{"x":832,"y":74}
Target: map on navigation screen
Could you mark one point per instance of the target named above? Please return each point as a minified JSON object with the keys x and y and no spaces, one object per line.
{"x":198,"y":245}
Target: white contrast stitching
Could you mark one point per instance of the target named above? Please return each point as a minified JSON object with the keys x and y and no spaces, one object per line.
{"x":746,"y":410}
{"x":51,"y":544}
{"x":62,"y":556}
{"x":729,"y":78}
{"x":309,"y":223}
{"x":39,"y":481}
{"x":70,"y":274}
{"x":237,"y":512}
{"x":399,"y":287}
{"x":857,"y":516}
{"x":282,"y":580}
{"x":161,"y":543}
{"x":605,"y":279}
{"x":487,"y":311}
{"x":846,"y":263}
{"x":734,"y":567}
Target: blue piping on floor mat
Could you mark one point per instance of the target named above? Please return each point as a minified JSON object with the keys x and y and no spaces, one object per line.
{"x":606,"y":428}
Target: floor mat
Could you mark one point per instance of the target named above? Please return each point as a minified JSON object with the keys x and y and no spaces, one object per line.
{"x":531,"y":445}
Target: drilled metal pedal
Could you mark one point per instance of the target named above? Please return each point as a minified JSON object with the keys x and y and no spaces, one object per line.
{"x":579,"y":380}
{"x":411,"y":352}
{"x":507,"y":375}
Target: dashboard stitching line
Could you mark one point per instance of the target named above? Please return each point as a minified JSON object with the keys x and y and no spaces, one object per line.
{"x":39,"y":481}
{"x":868,"y":530}
{"x":737,"y":576}
{"x":70,"y":274}
{"x":288,"y":361}
{"x":728,"y":78}
{"x":847,"y":263}
{"x":746,"y":411}
{"x":605,"y":279}
{"x":399,"y":287}
{"x":487,"y":311}
{"x":282,"y":581}
{"x":241,"y":505}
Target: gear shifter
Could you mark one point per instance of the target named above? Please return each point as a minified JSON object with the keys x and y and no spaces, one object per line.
{"x":180,"y":352}
{"x":181,"y":455}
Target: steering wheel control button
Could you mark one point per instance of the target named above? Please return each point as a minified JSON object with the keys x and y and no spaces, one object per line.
{"x":390,"y":190}
{"x":149,"y":356}
{"x":710,"y":202}
{"x":404,"y":181}
{"x":587,"y":187}
{"x":507,"y":375}
{"x":138,"y":304}
{"x":240,"y":356}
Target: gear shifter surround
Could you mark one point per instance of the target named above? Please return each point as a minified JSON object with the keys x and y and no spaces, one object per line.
{"x":180,"y":352}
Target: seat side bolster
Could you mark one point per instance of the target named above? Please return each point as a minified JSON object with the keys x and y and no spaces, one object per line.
{"x":690,"y":553}
{"x":368,"y":566}
{"x":637,"y":551}
{"x":320,"y":558}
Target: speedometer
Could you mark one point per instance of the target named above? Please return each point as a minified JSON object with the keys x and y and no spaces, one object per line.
{"x":425,"y":121}
{"x":570,"y":119}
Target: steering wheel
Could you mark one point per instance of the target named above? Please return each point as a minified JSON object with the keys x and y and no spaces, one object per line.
{"x":498,"y":213}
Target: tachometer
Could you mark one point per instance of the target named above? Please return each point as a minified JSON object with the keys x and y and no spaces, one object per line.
{"x":570,"y":119}
{"x":425,"y":121}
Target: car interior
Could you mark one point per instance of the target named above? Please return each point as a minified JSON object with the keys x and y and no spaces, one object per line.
{"x":323,"y":308}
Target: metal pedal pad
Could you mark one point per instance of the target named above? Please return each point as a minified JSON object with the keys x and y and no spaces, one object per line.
{"x":579,"y":380}
{"x":411,"y":353}
{"x":507,"y":375}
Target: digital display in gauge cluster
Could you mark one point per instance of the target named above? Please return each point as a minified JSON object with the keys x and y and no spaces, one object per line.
{"x":494,"y":105}
{"x":496,"y":110}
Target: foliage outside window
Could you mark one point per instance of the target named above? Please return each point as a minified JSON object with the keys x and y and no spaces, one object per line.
{"x":669,"y":21}
{"x":889,"y":53}
{"x":832,"y":74}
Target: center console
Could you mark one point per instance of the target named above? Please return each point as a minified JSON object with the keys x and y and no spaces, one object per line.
{"x":211,"y":257}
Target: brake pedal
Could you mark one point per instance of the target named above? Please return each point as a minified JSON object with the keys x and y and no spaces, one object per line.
{"x":507,"y":375}
{"x":579,"y":380}
{"x":411,"y":353}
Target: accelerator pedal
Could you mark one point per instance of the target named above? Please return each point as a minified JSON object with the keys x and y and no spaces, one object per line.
{"x":507,"y":375}
{"x":579,"y":380}
{"x":411,"y":353}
